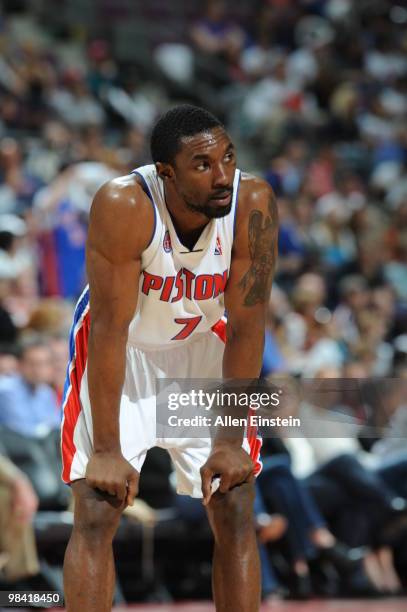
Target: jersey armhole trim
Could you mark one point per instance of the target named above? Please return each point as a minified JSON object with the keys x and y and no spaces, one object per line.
{"x":150,"y":197}
{"x":236,"y":203}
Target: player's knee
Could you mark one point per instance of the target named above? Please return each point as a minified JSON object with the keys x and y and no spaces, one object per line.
{"x":232,"y":512}
{"x":95,"y":526}
{"x":96,"y":518}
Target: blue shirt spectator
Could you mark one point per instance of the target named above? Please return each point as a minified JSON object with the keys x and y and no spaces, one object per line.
{"x":28,"y":405}
{"x":289,"y":240}
{"x":273,"y":360}
{"x":29,"y":411}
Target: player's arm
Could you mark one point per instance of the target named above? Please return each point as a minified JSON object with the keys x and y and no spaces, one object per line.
{"x":248,"y":289}
{"x":121,"y":225}
{"x":246,"y":298}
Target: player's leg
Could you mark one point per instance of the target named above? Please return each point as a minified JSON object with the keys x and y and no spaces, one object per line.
{"x":236,"y":567}
{"x":89,"y":574}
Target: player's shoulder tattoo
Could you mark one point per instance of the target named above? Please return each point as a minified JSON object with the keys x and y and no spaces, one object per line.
{"x":262,"y":240}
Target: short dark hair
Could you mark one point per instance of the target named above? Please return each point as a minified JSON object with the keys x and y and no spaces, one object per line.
{"x":178,"y":122}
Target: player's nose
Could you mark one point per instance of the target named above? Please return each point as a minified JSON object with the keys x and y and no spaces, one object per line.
{"x":221,"y":177}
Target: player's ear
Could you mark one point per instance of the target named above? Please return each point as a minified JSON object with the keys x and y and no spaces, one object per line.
{"x":164,"y":171}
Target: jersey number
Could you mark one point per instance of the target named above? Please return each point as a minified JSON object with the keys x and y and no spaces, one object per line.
{"x":189,"y":325}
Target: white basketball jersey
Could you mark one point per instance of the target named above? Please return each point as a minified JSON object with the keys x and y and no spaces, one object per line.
{"x":181,"y":292}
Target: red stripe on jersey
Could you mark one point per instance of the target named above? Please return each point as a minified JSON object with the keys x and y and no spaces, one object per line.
{"x":220,"y":329}
{"x":72,"y":406}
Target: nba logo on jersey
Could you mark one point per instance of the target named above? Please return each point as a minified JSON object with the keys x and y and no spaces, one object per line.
{"x":167,"y":242}
{"x":218,"y":247}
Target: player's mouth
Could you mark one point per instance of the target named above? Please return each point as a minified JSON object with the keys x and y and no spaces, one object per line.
{"x":223,"y":199}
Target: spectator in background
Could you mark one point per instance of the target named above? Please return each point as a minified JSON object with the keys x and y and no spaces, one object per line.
{"x":370,"y":259}
{"x":310,"y":335}
{"x":50,"y":318}
{"x":28,"y":405}
{"x":257,"y":61}
{"x":14,"y":259}
{"x":354,"y":296}
{"x":36,"y":71}
{"x":291,"y":246}
{"x":219,"y":41}
{"x":334,"y":240}
{"x":319,"y":179}
{"x":17,"y":186}
{"x":372,"y":331}
{"x":54,"y":150}
{"x":392,"y":445}
{"x":61,"y":210}
{"x":8,"y":360}
{"x":8,"y":331}
{"x":350,"y":486}
{"x":395,"y":270}
{"x":18,"y":505}
{"x":275,"y":101}
{"x":287,"y":170}
{"x":30,"y":421}
{"x":74,"y":103}
{"x":103,"y":70}
{"x":23,"y":296}
{"x":134,"y":102}
{"x":18,"y":267}
{"x":308,"y":536}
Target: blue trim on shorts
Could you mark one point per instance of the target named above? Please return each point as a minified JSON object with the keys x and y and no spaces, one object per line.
{"x":79,"y":310}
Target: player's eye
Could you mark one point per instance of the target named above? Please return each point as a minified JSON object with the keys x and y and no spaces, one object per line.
{"x":202,"y":166}
{"x":229,"y":156}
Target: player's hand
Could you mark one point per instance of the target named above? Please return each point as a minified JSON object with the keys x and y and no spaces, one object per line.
{"x":228,"y":462}
{"x":112,"y":473}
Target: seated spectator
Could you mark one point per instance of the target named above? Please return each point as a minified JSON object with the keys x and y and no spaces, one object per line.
{"x":30,"y":423}
{"x":308,"y":535}
{"x":290,"y":167}
{"x":50,"y":318}
{"x":17,"y":185}
{"x":216,"y":37}
{"x":369,"y":260}
{"x":392,"y":445}
{"x":291,"y":248}
{"x":75,"y":104}
{"x":18,"y":504}
{"x":348,"y":491}
{"x":354,"y":296}
{"x":8,"y":360}
{"x":372,"y":330}
{"x":334,"y":239}
{"x":13,"y":258}
{"x":23,"y":296}
{"x":274,"y":101}
{"x":62,"y":210}
{"x":28,"y":405}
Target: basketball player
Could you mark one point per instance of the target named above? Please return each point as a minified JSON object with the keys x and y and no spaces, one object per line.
{"x":169,"y":248}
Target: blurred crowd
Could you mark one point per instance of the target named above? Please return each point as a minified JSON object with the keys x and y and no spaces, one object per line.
{"x":314,"y":94}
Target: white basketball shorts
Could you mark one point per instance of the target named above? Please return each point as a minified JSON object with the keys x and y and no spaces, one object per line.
{"x":201,"y":357}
